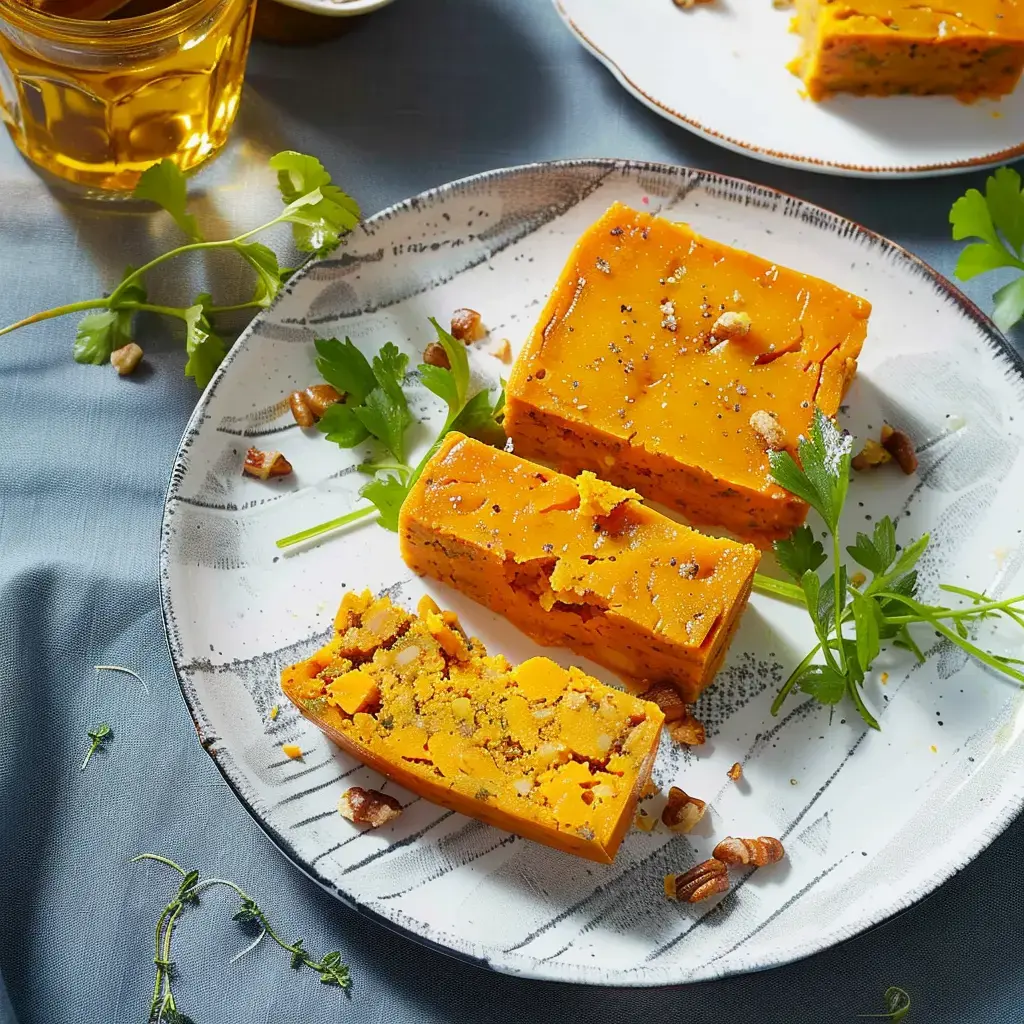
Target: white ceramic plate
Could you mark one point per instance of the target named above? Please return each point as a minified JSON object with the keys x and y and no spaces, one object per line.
{"x":720,"y":70}
{"x":338,"y":8}
{"x":871,"y":821}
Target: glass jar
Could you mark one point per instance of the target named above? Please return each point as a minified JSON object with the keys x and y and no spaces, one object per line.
{"x":94,"y":103}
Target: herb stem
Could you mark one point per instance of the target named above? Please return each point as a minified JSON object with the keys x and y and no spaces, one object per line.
{"x":781,"y":696}
{"x":838,"y":592}
{"x":50,"y":314}
{"x":322,"y":528}
{"x":779,"y":588}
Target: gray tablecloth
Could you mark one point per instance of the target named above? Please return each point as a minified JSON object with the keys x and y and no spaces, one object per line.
{"x":418,"y":94}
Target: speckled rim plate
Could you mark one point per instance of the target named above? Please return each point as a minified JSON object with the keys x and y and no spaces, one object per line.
{"x":720,"y":72}
{"x":872,"y":822}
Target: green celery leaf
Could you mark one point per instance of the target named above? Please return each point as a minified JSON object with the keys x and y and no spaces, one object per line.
{"x":441,"y":382}
{"x":971,"y":218}
{"x":386,"y":418}
{"x":387,"y":494}
{"x":205,"y":349}
{"x":263,"y":260}
{"x":825,"y":457}
{"x":865,"y":617}
{"x":389,"y":366}
{"x":865,"y":554}
{"x":979,"y":258}
{"x":317,"y":226}
{"x":823,"y":684}
{"x":800,"y":552}
{"x":897,"y":1002}
{"x":458,"y":363}
{"x":811,"y":586}
{"x":1009,"y":304}
{"x":789,"y":475}
{"x":909,"y":556}
{"x":342,"y":426}
{"x":885,"y":541}
{"x":164,"y":184}
{"x":825,"y":606}
{"x":482,"y":419}
{"x":99,"y":334}
{"x":1006,"y":205}
{"x":342,"y":365}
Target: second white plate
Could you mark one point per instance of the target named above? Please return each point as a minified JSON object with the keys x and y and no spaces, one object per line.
{"x":720,"y":70}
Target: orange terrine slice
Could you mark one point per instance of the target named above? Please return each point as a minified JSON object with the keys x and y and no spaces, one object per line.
{"x":546,"y":752}
{"x":578,"y":563}
{"x":886,"y":47}
{"x":661,"y":356}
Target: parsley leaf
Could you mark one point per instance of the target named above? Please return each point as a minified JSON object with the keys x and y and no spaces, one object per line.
{"x":386,"y":494}
{"x":481,"y":418}
{"x":342,"y":365}
{"x":876,"y":553}
{"x":204,"y":348}
{"x":824,"y":684}
{"x":386,"y":418}
{"x":268,"y":274}
{"x":800,"y":553}
{"x":165,"y":185}
{"x":341,"y":425}
{"x":316,"y":226}
{"x":389,"y":366}
{"x":99,"y":334}
{"x":452,"y":384}
{"x":99,"y":734}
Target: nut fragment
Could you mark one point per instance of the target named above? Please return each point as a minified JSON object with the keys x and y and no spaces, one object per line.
{"x":126,"y":358}
{"x":467,"y":325}
{"x":900,"y":447}
{"x":688,"y":731}
{"x":503,"y":351}
{"x":706,"y":879}
{"x":687,"y":4}
{"x":682,"y":811}
{"x":756,"y":852}
{"x":644,"y":821}
{"x":264,"y":465}
{"x":768,"y":429}
{"x":669,"y":699}
{"x":730,"y":325}
{"x":309,"y":405}
{"x":872,"y":454}
{"x":435,"y":355}
{"x":368,"y":807}
{"x":735,"y":772}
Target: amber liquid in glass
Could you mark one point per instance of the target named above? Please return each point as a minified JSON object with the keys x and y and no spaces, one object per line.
{"x":97,"y":112}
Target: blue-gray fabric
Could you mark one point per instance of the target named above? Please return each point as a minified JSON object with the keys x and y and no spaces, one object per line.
{"x":418,"y":94}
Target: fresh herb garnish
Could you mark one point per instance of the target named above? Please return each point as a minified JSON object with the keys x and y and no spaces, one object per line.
{"x":883,"y":609}
{"x":376,"y":407}
{"x":163,"y":1009}
{"x":997,"y":218}
{"x":897,"y":1005}
{"x":318,"y":211}
{"x":99,"y":734}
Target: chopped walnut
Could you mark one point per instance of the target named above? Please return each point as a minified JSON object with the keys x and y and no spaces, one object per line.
{"x":644,"y":821}
{"x":503,"y":351}
{"x":768,"y":429}
{"x":705,"y":880}
{"x":689,"y":731}
{"x":309,"y":405}
{"x":735,"y":772}
{"x":126,"y":358}
{"x":368,"y":807}
{"x":756,"y":852}
{"x":687,"y":4}
{"x":682,"y":811}
{"x":435,"y":355}
{"x":872,"y":454}
{"x":467,"y":326}
{"x":264,"y":465}
{"x":900,"y":447}
{"x":668,"y":698}
{"x":730,"y":325}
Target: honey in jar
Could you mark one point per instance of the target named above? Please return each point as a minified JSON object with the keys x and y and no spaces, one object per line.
{"x":94,"y":91}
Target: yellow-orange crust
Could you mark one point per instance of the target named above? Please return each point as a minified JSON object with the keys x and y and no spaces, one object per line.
{"x":887,"y":47}
{"x":546,"y":752}
{"x":578,"y":563}
{"x":657,"y":349}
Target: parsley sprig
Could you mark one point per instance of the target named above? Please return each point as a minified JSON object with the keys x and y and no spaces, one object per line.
{"x":897,"y":1005}
{"x":376,"y":407}
{"x":98,"y":734}
{"x":853,"y":623}
{"x":163,"y":1008}
{"x":317,"y":210}
{"x":997,"y":220}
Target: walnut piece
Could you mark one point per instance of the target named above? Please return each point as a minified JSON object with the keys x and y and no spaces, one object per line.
{"x":730,"y":325}
{"x":768,"y":429}
{"x":756,"y":852}
{"x":264,"y":465}
{"x":309,"y":405}
{"x":687,"y":4}
{"x":705,"y":880}
{"x":735,"y":772}
{"x":900,"y":447}
{"x":126,"y":358}
{"x":689,"y":731}
{"x":368,"y":807}
{"x":668,"y":698}
{"x":435,"y":355}
{"x":682,"y":811}
{"x":467,"y":326}
{"x":503,"y":351}
{"x":872,"y":454}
